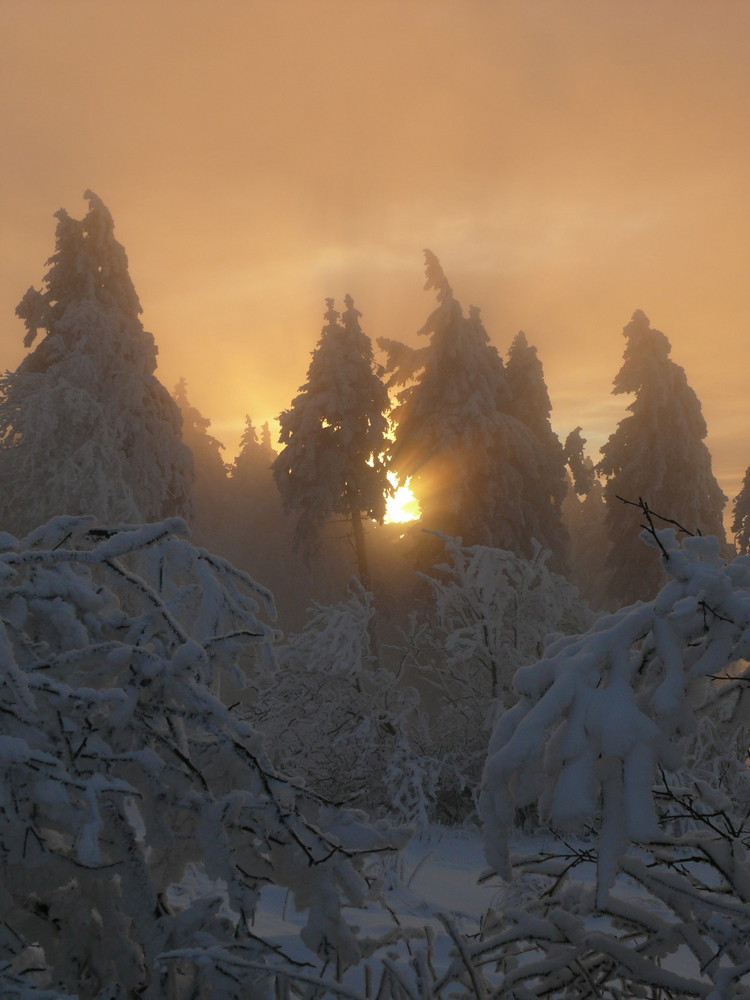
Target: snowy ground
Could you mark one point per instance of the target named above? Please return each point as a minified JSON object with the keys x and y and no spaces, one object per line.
{"x":432,"y":878}
{"x":436,"y":875}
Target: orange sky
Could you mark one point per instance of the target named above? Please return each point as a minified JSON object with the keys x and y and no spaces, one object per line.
{"x":568,"y":161}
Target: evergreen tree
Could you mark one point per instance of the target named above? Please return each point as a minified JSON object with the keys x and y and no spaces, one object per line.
{"x":546,"y":482}
{"x":741,"y":516}
{"x":657,"y":453}
{"x":255,"y":457}
{"x":467,"y":457}
{"x":581,"y":468}
{"x":211,"y":494}
{"x":333,"y":460}
{"x":85,"y":426}
{"x":584,"y":514}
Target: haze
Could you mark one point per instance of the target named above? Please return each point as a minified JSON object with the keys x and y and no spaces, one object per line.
{"x":567,"y":162}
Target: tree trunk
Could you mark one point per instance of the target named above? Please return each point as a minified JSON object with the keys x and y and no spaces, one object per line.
{"x":364,"y":576}
{"x":360,"y":550}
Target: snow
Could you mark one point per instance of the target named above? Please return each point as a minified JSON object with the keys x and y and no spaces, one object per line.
{"x":437,"y":874}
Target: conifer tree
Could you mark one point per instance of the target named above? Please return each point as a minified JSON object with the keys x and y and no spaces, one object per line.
{"x":467,"y":457}
{"x":255,"y":456}
{"x":211,"y":496}
{"x":658,"y":454}
{"x":741,"y":516}
{"x":333,"y":460}
{"x":85,"y":426}
{"x":545,"y":483}
{"x":581,"y":468}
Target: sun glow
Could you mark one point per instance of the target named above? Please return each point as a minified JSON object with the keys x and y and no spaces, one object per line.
{"x":402,"y":506}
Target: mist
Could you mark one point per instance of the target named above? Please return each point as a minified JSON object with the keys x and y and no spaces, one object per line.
{"x":568,"y":164}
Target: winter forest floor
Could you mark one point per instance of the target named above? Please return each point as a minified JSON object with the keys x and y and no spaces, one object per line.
{"x":438,"y":884}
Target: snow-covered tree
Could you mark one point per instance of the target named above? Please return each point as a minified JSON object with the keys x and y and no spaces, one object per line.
{"x":545,"y":482}
{"x":465,"y":456}
{"x":489,"y":613}
{"x":658,"y":454}
{"x":581,"y":468}
{"x":741,"y":516}
{"x":211,"y":493}
{"x":120,"y":768}
{"x":255,"y":457}
{"x":261,"y":535}
{"x":85,"y":426}
{"x":584,"y":515}
{"x":333,"y":717}
{"x":605,"y":740}
{"x":333,"y":459}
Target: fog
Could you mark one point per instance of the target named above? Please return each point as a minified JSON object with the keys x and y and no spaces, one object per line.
{"x":568,"y":163}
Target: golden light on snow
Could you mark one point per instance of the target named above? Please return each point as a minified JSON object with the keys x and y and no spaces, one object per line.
{"x":402,"y":506}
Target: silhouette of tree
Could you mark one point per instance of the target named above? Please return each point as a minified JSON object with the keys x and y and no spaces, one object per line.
{"x":741,"y":516}
{"x":545,"y":482}
{"x":467,"y":457}
{"x":211,"y":493}
{"x":334,"y":437}
{"x":657,"y":453}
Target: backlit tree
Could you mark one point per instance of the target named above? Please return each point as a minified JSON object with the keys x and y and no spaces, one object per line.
{"x":657,"y":453}
{"x":333,"y":460}
{"x":741,"y":516}
{"x":545,"y":482}
{"x":467,"y":457}
{"x":211,"y":494}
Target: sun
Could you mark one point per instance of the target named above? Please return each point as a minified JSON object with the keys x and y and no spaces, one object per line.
{"x":402,"y":506}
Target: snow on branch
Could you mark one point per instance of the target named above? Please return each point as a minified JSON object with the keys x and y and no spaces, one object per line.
{"x":631,"y":741}
{"x":120,"y":765}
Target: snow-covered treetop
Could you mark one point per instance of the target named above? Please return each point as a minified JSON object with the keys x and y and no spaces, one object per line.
{"x":454,"y":404}
{"x":741,"y":516}
{"x":658,"y":453}
{"x":88,"y":265}
{"x":85,"y":426}
{"x":581,"y":468}
{"x":333,"y":460}
{"x":477,"y":470}
{"x":645,"y":348}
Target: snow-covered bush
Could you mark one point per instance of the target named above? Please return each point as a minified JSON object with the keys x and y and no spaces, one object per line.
{"x":334,"y":718}
{"x":120,"y":765}
{"x":649,"y":892}
{"x":489,"y":612}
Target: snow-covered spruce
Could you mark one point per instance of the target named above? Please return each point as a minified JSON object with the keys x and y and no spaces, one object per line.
{"x":741,"y":516}
{"x":85,"y":425}
{"x":333,"y":459}
{"x":120,"y":765}
{"x":599,"y":738}
{"x":657,"y":453}
{"x":209,"y":520}
{"x":477,"y":470}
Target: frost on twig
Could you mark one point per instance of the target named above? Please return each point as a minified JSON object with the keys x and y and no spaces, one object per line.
{"x":624,"y":737}
{"x":120,"y":765}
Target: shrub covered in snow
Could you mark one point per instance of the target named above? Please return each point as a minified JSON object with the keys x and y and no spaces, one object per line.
{"x":490,"y":612}
{"x":120,"y":765}
{"x":609,"y":737}
{"x":335,"y":718}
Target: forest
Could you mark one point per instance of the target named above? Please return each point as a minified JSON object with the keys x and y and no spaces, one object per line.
{"x":220,"y":678}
